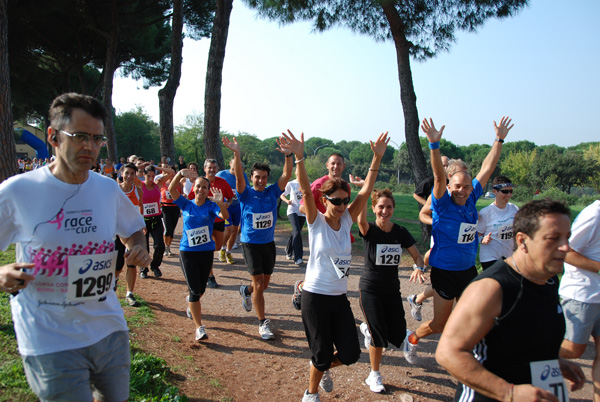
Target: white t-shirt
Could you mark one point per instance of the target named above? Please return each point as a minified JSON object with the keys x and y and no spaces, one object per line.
{"x":71,"y":304}
{"x":579,"y":284}
{"x":292,"y":189}
{"x":330,"y":255}
{"x":499,"y":222}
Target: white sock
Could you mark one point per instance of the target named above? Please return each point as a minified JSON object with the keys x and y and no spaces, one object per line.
{"x":129,"y":293}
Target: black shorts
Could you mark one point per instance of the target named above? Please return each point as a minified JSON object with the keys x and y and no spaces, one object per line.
{"x":219,"y":226}
{"x":260,"y":258}
{"x":328,"y":322}
{"x":384,"y":315}
{"x":450,"y":284}
{"x":196,"y":266}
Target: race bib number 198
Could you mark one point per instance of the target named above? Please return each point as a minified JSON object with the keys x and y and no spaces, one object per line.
{"x":546,"y":374}
{"x":90,"y":276}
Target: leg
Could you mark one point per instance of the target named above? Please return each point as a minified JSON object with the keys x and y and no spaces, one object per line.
{"x":441,"y":311}
{"x":297,"y":223}
{"x":260,"y":283}
{"x":375,"y":357}
{"x":159,"y":244}
{"x":130,"y":277}
{"x":424,"y":295}
{"x":230,"y":235}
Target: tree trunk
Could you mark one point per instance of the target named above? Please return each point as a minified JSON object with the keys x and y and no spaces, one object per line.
{"x":408,"y":99}
{"x":214,"y":78}
{"x":107,"y":84}
{"x":8,"y":156}
{"x":166,"y":96}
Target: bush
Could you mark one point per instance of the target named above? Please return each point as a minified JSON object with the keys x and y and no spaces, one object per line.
{"x":556,"y":194}
{"x":522,"y":194}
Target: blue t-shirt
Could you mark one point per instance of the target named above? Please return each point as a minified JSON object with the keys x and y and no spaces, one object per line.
{"x":454,"y":231}
{"x":230,"y":179}
{"x":259,"y":214}
{"x":198,"y":224}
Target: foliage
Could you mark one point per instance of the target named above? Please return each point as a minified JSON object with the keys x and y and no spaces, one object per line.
{"x":137,"y":134}
{"x":522,"y":193}
{"x":150,"y":379}
{"x":517,"y":166}
{"x":188,"y":138}
{"x":556,"y":194}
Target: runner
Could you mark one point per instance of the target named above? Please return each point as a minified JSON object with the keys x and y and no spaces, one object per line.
{"x":379,"y":286}
{"x":70,"y":328}
{"x":326,"y":314}
{"x":232,"y":225}
{"x":196,"y":248}
{"x":503,"y":338}
{"x":454,"y":231}
{"x":495,"y":224}
{"x":294,"y":249}
{"x":259,"y":217}
{"x":150,"y":208}
{"x":133,"y":191}
{"x":170,"y":213}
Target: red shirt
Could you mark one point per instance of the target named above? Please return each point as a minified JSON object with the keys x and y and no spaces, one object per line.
{"x":222,"y":185}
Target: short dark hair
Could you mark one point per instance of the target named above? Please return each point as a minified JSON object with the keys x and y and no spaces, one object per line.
{"x":501,"y":180}
{"x":149,"y":168}
{"x":130,"y":165}
{"x":338,"y":155}
{"x":62,"y":106}
{"x":527,"y":220}
{"x":332,"y":185}
{"x":260,"y":166}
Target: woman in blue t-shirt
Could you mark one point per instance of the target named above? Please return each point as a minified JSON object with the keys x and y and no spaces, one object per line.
{"x":196,"y":248}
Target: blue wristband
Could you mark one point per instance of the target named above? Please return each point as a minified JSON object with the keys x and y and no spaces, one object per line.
{"x":434,"y":145}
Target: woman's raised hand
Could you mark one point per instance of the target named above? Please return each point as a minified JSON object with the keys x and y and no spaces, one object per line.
{"x":380,"y":144}
{"x":289,"y":143}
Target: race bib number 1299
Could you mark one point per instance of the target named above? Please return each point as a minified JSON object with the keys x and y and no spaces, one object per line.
{"x":90,"y":276}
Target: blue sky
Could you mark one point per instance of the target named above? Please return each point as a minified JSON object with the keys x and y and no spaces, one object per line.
{"x":539,"y":67}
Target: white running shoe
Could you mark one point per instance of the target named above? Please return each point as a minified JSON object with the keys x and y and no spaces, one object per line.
{"x":201,"y":333}
{"x":188,"y":312}
{"x":410,"y":350}
{"x":265,"y":330}
{"x":374,"y":381}
{"x":415,"y":308}
{"x":310,"y":397}
{"x":326,"y":382}
{"x":246,"y":300}
{"x":364,"y":329}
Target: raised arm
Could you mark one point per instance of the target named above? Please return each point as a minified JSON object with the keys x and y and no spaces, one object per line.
{"x":439,"y":177}
{"x":284,"y":148}
{"x":490,"y":161}
{"x":183,"y":173}
{"x":240,"y":183}
{"x":217,"y":198}
{"x":167,"y":173}
{"x":425,"y":214}
{"x":378,"y":148}
{"x":363,"y":224}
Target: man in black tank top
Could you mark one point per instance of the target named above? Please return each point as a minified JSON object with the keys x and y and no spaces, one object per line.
{"x":503,"y":338}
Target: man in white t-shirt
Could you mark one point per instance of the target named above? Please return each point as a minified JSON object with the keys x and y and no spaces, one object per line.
{"x":580,"y":289}
{"x":495,"y":224}
{"x":70,"y":327}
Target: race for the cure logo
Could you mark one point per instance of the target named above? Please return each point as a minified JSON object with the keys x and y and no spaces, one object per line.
{"x":79,"y":221}
{"x":95,"y":265}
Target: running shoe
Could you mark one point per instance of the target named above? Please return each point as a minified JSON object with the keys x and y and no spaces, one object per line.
{"x":212,"y":282}
{"x":415,"y":308}
{"x":289,"y":257}
{"x":246,"y":300}
{"x":188,"y":312}
{"x":364,"y":328}
{"x":375,"y":382}
{"x":144,"y":273}
{"x":326,"y":382}
{"x":264,"y":330}
{"x":410,"y":350}
{"x":310,"y":397}
{"x":167,"y":251}
{"x":201,"y":333}
{"x":131,"y":300}
{"x":229,"y":258}
{"x":116,"y":283}
{"x":222,"y":255}
{"x":298,"y":261}
{"x":296,"y":298}
{"x":157,"y":272}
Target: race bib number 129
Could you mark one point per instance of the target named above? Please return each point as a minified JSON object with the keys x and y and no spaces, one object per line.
{"x":388,"y":254}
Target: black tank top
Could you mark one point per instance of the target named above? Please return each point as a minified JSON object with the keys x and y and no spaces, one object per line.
{"x":530,"y":328}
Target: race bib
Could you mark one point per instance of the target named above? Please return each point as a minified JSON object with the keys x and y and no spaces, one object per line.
{"x":341,"y":265}
{"x":197,"y":237}
{"x":263,"y":220}
{"x":168,"y":195}
{"x":151,"y":209}
{"x":299,"y":196}
{"x":467,"y":233}
{"x":90,"y":276}
{"x":546,"y":374}
{"x":505,"y":233}
{"x":388,"y":254}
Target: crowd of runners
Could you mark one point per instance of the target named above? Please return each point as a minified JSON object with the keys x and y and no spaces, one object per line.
{"x":506,"y":334}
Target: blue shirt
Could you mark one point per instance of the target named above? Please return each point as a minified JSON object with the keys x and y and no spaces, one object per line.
{"x":198,"y":224}
{"x":259,"y":214}
{"x":454,"y":231}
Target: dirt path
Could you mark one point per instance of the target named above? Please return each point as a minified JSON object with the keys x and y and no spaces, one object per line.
{"x":234,"y":364}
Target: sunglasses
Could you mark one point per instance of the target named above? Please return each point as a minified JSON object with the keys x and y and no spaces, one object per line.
{"x":338,"y":201}
{"x":506,"y":191}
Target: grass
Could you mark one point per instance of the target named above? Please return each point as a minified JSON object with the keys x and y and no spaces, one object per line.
{"x":149,"y":374}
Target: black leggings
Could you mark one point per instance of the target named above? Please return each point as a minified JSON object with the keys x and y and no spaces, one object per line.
{"x":170,"y":218}
{"x":154,"y":228}
{"x":196,"y":266}
{"x":120,"y":247}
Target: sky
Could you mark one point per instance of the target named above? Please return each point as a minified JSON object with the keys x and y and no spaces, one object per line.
{"x":539,"y":67}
